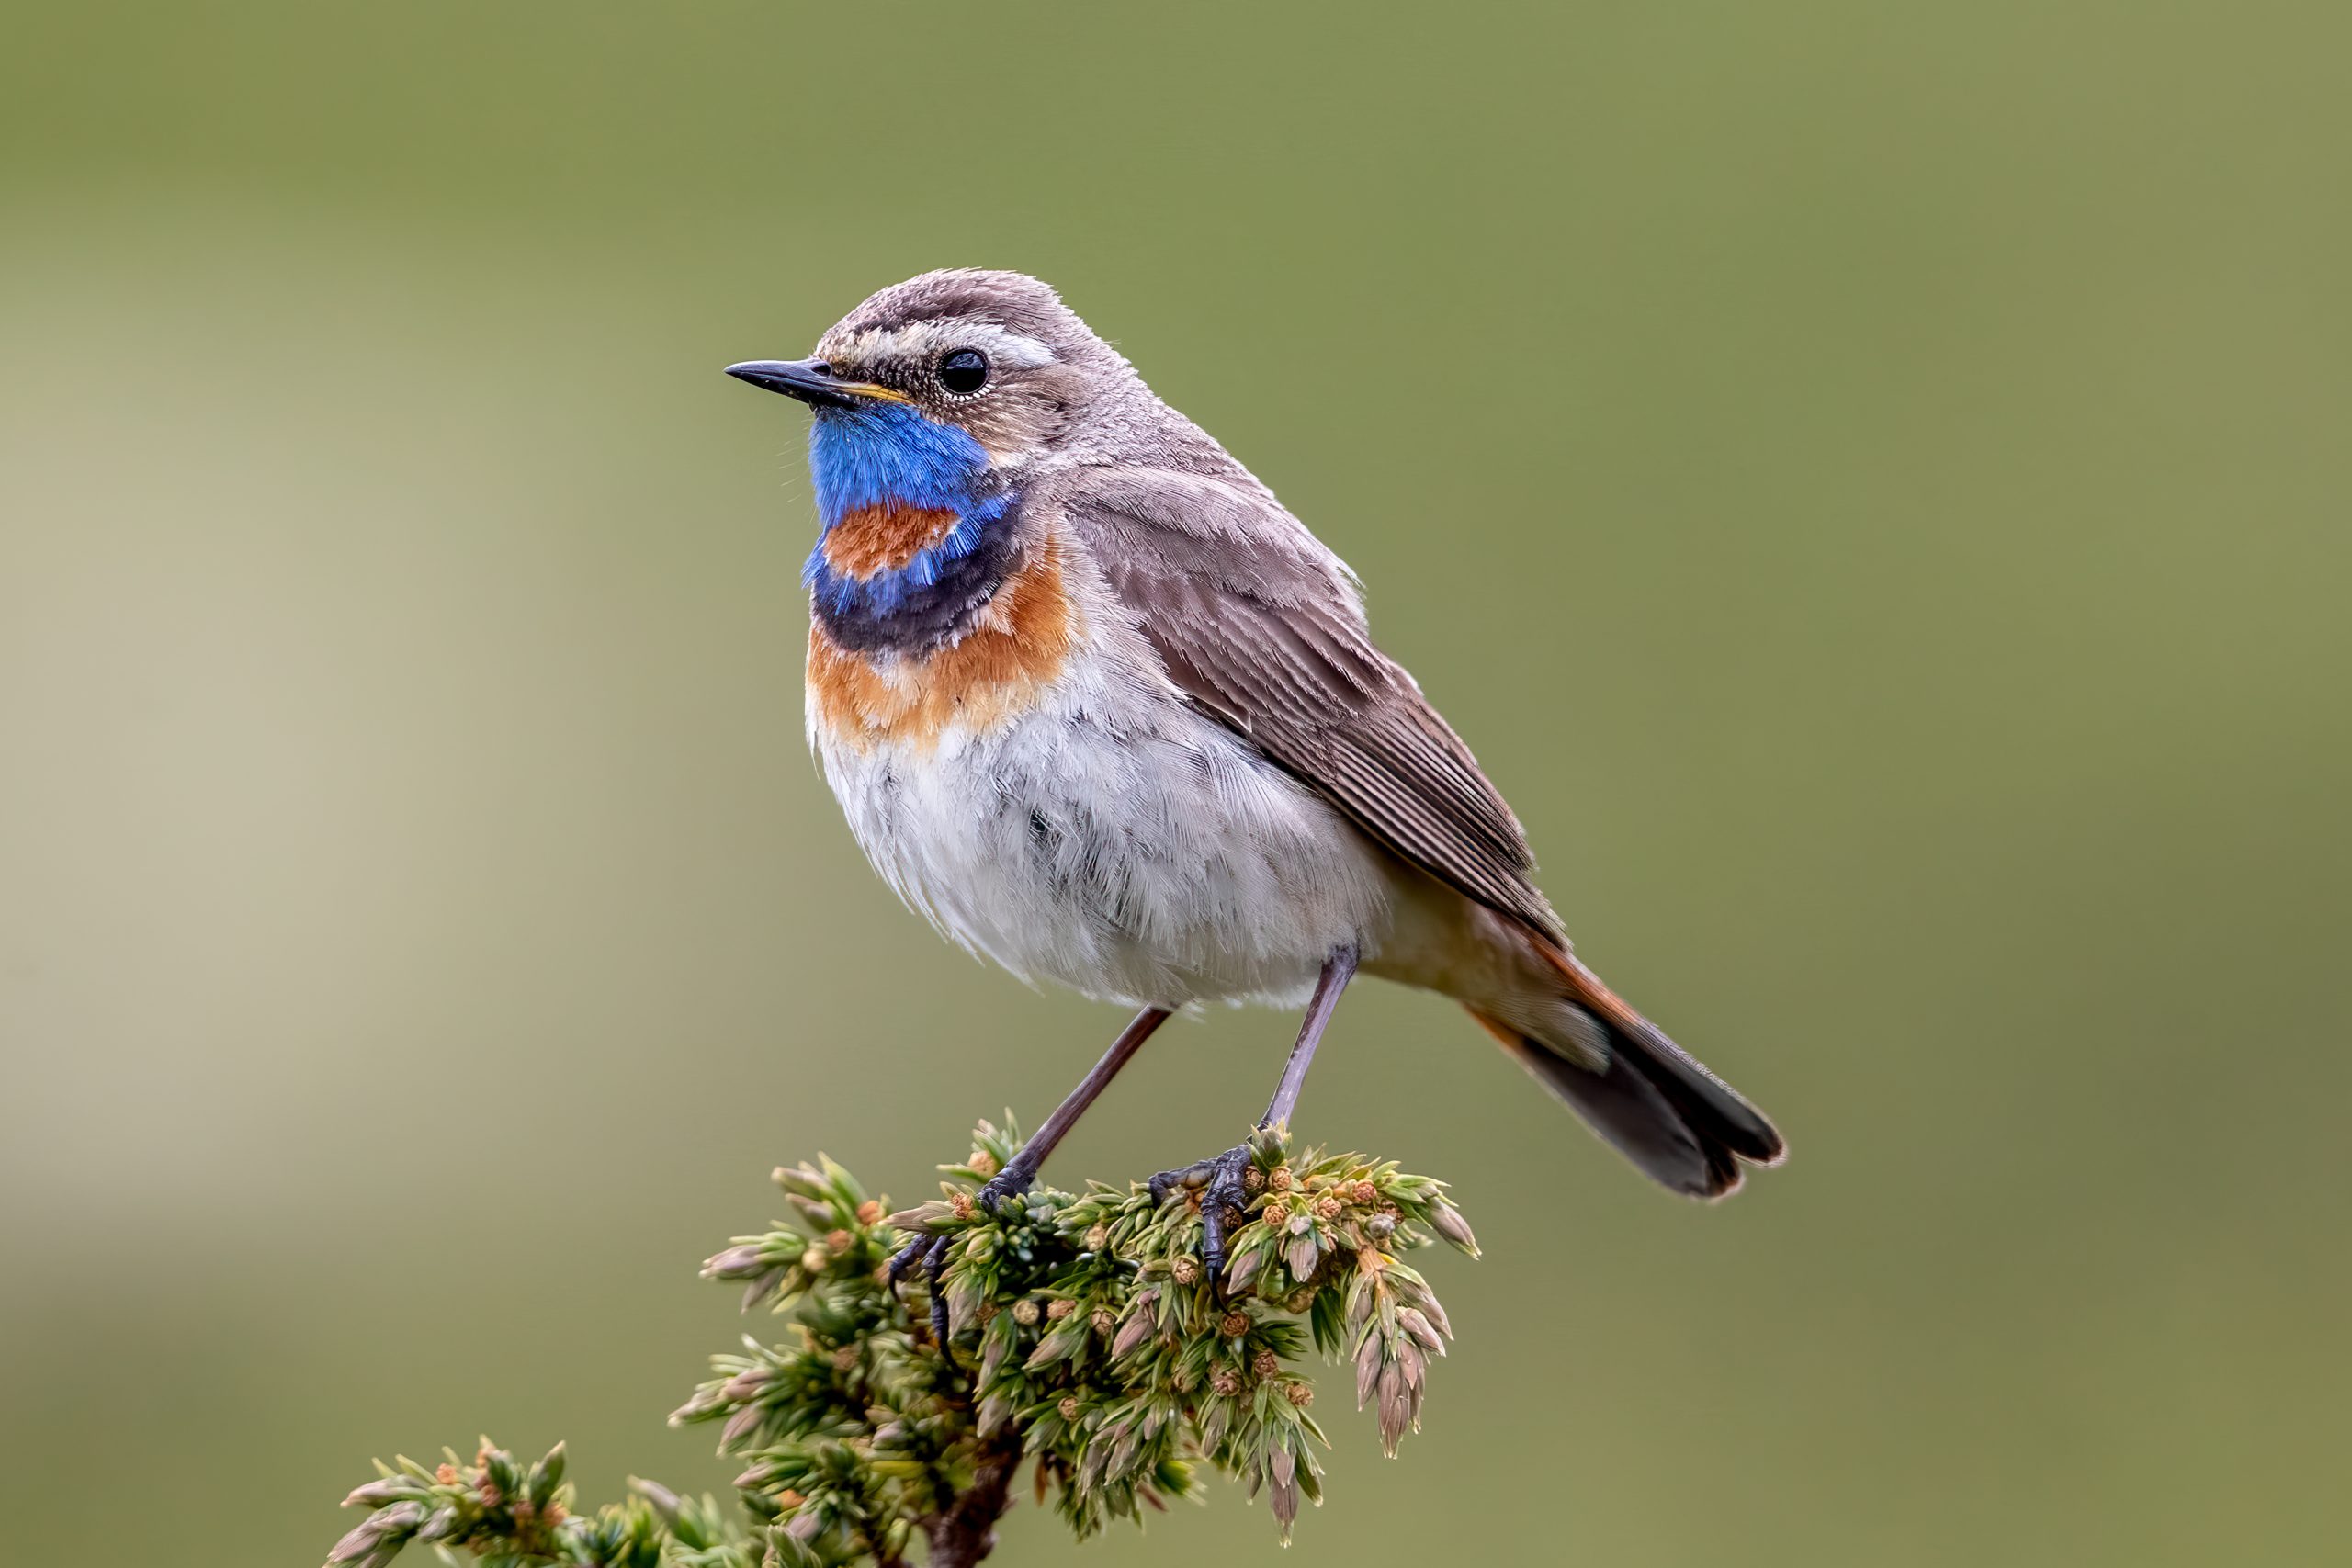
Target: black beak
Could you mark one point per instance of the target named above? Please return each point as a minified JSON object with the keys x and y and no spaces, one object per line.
{"x":811,"y":380}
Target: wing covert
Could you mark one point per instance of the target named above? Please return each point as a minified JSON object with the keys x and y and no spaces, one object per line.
{"x":1262,"y":626}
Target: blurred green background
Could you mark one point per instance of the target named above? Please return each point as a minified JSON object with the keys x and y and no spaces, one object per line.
{"x":1871,"y":480}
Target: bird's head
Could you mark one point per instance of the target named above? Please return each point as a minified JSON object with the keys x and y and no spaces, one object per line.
{"x":951,"y":369}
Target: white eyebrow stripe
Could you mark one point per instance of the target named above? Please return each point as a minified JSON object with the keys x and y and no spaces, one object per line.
{"x":1007,"y":346}
{"x":925,"y":339}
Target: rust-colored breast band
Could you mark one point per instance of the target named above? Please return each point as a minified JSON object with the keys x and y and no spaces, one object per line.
{"x":989,"y":676}
{"x":876,"y":539}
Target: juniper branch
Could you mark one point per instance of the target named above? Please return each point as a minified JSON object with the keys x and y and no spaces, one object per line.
{"x":1084,"y":1340}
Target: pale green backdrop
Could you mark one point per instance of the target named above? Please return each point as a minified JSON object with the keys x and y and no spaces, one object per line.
{"x":1870,"y":479}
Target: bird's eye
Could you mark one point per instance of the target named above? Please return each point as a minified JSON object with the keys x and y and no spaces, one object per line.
{"x":964,"y":372}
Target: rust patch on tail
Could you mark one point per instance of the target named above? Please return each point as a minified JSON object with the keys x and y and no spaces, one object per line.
{"x":1586,"y":990}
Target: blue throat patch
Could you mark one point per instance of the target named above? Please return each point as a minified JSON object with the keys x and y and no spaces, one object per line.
{"x":889,"y":455}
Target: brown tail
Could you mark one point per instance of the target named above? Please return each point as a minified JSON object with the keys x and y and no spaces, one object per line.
{"x":1685,"y":1128}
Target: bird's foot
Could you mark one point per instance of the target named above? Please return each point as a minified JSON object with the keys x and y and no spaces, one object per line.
{"x":929,"y":1253}
{"x":1221,"y":1185}
{"x":1015,"y":1178}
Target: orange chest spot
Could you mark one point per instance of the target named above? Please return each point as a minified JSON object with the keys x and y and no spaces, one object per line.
{"x":992,"y":673}
{"x":883,"y":539}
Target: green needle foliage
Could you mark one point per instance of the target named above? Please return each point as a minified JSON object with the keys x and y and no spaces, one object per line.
{"x":509,"y":1515}
{"x":1087,"y":1341}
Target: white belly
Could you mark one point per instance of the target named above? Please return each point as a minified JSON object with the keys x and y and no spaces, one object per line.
{"x":1112,"y":840}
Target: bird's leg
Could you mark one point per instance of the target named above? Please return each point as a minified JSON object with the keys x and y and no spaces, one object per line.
{"x":1021,"y":1168}
{"x":1220,"y":1181}
{"x":930,"y":1252}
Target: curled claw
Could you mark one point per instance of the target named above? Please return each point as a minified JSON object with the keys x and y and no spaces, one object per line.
{"x":930,"y":1253}
{"x":1224,"y":1198}
{"x":1012,"y":1182}
{"x":904,"y":1258}
{"x":1222,"y":1194}
{"x":1189,"y":1177}
{"x":934,"y":1264}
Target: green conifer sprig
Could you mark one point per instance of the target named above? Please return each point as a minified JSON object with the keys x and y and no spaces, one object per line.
{"x":507,"y":1514}
{"x":1086,"y":1340}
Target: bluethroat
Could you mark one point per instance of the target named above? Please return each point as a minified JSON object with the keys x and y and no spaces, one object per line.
{"x":1103,"y":710}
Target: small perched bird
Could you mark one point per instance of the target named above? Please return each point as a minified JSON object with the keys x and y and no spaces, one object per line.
{"x":1103,"y":711}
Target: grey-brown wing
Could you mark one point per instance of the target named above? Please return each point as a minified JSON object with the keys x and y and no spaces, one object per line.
{"x":1260,"y":625}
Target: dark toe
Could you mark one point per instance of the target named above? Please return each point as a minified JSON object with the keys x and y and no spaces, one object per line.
{"x":939,"y":1321}
{"x":904,"y":1258}
{"x":1222,"y":1192}
{"x":1013,"y":1182}
{"x":1226,"y":1197}
{"x":934,"y":1264}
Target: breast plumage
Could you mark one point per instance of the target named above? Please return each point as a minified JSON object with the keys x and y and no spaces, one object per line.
{"x":1035,"y":789}
{"x":1016,"y":645}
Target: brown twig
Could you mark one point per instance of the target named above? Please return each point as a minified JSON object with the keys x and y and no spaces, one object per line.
{"x":966,"y":1531}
